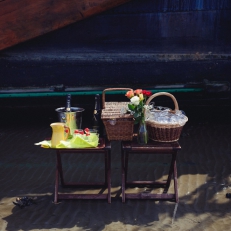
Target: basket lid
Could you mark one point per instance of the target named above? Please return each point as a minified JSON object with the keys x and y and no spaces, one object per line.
{"x":115,"y":110}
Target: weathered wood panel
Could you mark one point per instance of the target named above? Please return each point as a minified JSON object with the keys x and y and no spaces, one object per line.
{"x":142,"y":42}
{"x":26,"y":19}
{"x":173,"y":6}
{"x":152,"y":21}
{"x":111,"y":69}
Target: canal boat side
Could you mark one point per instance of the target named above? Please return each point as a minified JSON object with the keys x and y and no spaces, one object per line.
{"x":139,"y":43}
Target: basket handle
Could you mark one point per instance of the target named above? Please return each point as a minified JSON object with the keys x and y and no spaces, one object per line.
{"x":112,"y":89}
{"x":167,"y":94}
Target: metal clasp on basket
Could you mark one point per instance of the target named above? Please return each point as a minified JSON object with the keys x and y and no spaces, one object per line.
{"x":112,"y":121}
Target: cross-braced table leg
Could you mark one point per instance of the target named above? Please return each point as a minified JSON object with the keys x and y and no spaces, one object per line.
{"x":108,"y":170}
{"x":106,"y":184}
{"x":123,"y":176}
{"x":56,"y":183}
{"x":152,"y":148}
{"x":171,"y":172}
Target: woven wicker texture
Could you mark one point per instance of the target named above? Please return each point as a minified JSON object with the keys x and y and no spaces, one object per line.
{"x":164,"y":132}
{"x":118,"y":126}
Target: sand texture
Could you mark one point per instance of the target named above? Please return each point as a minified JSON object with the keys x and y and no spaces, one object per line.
{"x":204,"y":178}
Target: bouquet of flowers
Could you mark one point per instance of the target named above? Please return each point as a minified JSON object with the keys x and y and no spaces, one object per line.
{"x":137,"y":105}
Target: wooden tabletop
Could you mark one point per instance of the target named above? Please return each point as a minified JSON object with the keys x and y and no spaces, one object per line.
{"x":151,"y":146}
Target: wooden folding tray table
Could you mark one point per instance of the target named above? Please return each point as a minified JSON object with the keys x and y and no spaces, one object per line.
{"x":152,"y":147}
{"x":103,"y":148}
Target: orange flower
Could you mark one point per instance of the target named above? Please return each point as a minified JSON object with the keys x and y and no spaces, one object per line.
{"x":138,"y":91}
{"x":130,"y":94}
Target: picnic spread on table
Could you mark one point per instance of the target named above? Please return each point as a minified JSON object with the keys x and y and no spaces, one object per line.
{"x":140,"y":125}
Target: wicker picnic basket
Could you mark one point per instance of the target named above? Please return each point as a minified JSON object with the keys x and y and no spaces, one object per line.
{"x":164,"y":132}
{"x":118,"y":126}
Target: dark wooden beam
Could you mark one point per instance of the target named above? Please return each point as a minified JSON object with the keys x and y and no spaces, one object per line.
{"x":25,"y":19}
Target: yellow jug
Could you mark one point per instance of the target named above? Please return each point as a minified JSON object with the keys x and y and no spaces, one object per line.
{"x":59,"y":132}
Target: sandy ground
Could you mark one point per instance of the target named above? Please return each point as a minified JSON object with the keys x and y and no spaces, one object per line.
{"x":204,"y":178}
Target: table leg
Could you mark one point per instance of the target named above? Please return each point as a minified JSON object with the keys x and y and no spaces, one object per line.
{"x":60,"y":168}
{"x":106,"y":167}
{"x":108,"y":154}
{"x":170,"y":173}
{"x":123,"y":176}
{"x":56,"y":183}
{"x":126,"y":166}
{"x":175,"y":182}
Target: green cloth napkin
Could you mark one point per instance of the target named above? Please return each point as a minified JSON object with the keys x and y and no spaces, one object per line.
{"x":80,"y":141}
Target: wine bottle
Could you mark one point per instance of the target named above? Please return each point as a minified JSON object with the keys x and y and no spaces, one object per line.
{"x":97,"y":114}
{"x":68,"y":103}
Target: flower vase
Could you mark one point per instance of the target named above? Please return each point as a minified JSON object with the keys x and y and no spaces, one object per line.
{"x":142,"y":134}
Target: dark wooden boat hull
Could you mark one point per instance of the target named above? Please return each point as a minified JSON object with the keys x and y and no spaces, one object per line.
{"x":25,"y":19}
{"x":142,"y":43}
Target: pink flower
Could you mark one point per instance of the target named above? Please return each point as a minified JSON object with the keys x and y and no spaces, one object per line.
{"x":138,"y":91}
{"x":130,"y":94}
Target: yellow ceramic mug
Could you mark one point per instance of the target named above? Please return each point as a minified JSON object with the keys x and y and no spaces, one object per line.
{"x":59,"y":132}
